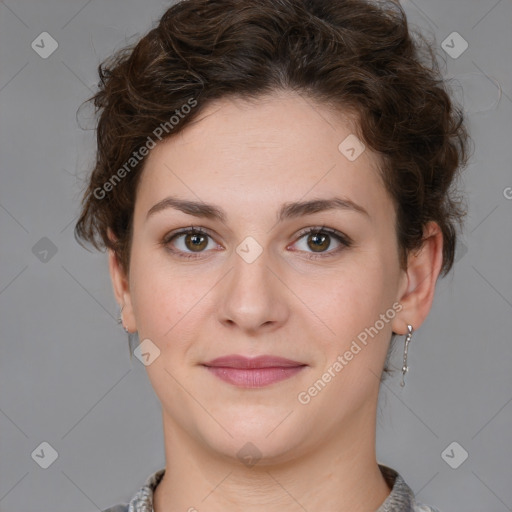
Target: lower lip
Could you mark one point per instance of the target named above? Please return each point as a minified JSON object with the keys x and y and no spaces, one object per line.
{"x":254,"y":377}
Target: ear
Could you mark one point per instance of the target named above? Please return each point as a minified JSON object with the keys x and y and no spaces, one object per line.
{"x":419,"y":280}
{"x":121,"y":287}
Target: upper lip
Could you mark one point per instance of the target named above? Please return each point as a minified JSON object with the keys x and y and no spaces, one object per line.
{"x":265,"y":361}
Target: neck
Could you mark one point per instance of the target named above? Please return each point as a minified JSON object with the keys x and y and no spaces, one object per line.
{"x":198,"y":479}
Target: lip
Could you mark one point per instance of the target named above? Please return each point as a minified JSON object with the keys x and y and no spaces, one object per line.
{"x":253,"y":372}
{"x":242,"y":362}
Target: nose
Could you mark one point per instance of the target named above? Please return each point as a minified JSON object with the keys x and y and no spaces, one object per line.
{"x":253,"y":295}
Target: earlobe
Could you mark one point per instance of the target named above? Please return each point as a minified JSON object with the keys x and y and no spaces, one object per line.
{"x":423,"y":268}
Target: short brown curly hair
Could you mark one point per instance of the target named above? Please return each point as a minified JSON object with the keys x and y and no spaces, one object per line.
{"x":358,"y":56}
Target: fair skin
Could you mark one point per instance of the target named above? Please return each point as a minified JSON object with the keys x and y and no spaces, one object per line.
{"x":248,"y":160}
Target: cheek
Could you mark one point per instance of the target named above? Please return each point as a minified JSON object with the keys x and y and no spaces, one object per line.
{"x":347,"y":302}
{"x":155,"y":295}
{"x":166,"y":298}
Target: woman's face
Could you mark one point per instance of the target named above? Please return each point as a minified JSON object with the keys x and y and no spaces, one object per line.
{"x":256,"y":283}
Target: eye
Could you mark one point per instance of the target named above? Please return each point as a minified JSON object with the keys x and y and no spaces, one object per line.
{"x":319,"y":239}
{"x":188,"y":241}
{"x":192,"y":242}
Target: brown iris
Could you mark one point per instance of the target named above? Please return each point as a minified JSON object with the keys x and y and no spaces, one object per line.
{"x":196,"y":241}
{"x":319,"y":243}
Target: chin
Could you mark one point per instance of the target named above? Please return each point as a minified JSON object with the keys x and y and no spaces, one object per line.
{"x":259,"y":439}
{"x":255,"y":450}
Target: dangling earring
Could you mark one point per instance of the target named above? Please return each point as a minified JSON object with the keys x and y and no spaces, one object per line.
{"x":120,"y":319}
{"x":405,"y":368}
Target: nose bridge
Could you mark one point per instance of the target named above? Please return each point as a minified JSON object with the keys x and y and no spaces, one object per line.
{"x":252,"y":295}
{"x":251,"y":262}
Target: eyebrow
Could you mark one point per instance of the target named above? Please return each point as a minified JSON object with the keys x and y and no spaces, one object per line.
{"x":289,"y":210}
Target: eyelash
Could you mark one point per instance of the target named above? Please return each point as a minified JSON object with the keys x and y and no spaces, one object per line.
{"x":344,"y":240}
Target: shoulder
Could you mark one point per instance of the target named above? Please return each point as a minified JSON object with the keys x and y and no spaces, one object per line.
{"x":142,"y":500}
{"x":401,"y":498}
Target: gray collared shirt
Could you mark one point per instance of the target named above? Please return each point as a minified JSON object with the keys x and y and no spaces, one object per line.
{"x":401,"y":498}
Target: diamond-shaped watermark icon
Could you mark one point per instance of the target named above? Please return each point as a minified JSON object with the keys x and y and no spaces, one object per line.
{"x":249,"y":249}
{"x":146,"y":352}
{"x":45,"y":455}
{"x":454,"y":45}
{"x":351,"y":147}
{"x":44,"y":249}
{"x":249,"y":454}
{"x":44,"y":45}
{"x":454,"y":455}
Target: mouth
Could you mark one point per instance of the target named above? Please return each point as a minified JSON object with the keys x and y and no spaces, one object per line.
{"x":253,"y":372}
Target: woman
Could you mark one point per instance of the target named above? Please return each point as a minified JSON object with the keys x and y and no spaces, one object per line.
{"x":274,"y":187}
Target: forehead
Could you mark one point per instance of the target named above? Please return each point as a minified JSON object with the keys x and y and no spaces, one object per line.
{"x":256,"y":155}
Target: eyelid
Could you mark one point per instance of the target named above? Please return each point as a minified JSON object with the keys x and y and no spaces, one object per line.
{"x":196,"y":230}
{"x":324,"y":229}
{"x":344,"y":240}
{"x":169,"y":237}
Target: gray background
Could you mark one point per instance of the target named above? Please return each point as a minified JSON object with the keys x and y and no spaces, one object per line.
{"x":65,"y":373}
